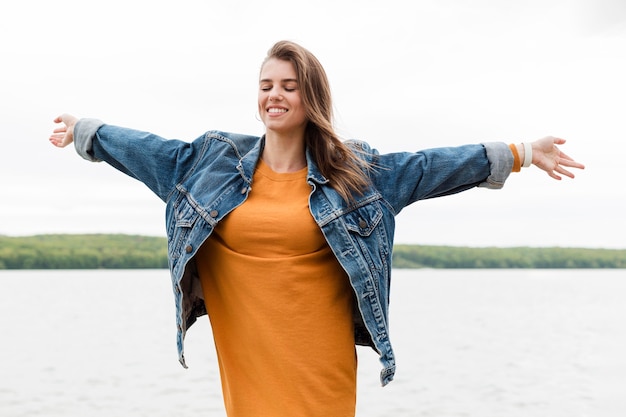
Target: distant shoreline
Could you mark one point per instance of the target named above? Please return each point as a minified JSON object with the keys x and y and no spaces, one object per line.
{"x":122,"y":251}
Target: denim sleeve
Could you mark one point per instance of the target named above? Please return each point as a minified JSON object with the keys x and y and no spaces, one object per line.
{"x":157,"y":162}
{"x":406,"y":177}
{"x":501,"y":162}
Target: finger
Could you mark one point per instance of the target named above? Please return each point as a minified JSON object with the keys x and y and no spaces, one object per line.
{"x":565,"y":172}
{"x":569,"y":161}
{"x":60,"y":130}
{"x":572,"y":164}
{"x":58,"y":143}
{"x":56,"y":140}
{"x":553,"y":175}
{"x":565,"y":156}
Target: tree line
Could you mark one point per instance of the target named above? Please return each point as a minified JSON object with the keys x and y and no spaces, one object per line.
{"x":118,"y":251}
{"x":413,"y":256}
{"x":95,"y":251}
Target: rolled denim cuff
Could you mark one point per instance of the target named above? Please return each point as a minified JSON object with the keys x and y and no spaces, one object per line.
{"x":84,"y":132}
{"x":501,"y":161}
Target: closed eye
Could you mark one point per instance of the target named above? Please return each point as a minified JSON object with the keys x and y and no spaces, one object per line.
{"x":290,"y":85}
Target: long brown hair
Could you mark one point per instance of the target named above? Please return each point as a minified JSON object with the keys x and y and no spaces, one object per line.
{"x":336,"y":161}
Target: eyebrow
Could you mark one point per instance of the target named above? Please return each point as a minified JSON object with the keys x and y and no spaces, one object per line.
{"x":285,"y":80}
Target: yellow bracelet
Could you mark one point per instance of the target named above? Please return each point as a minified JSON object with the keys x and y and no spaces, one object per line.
{"x":517,"y":164}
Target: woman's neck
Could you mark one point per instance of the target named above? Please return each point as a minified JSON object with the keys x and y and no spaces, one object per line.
{"x":284,"y":153}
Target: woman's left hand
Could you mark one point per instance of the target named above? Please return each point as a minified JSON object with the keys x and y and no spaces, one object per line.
{"x":548,"y":157}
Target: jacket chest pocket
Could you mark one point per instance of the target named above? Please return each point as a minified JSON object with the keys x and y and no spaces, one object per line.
{"x":184,"y":217}
{"x":364,"y":220}
{"x":367,"y":231}
{"x":366,"y":227}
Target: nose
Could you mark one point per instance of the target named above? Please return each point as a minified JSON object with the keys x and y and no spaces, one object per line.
{"x":275,"y":95}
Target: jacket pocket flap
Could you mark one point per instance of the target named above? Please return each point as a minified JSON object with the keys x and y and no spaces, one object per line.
{"x":185,"y":214}
{"x":364,"y":219}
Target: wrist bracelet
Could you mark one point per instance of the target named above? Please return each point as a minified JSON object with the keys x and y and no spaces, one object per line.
{"x":517,"y":163}
{"x":528,"y":155}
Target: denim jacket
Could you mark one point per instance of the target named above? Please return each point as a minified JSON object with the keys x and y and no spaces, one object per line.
{"x":204,"y":180}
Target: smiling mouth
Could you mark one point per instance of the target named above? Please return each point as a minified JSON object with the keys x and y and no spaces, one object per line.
{"x":275,"y":110}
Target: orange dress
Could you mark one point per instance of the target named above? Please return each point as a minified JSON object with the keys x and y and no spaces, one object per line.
{"x":280,"y":306}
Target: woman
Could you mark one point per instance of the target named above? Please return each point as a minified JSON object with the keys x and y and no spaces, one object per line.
{"x":285,"y":240}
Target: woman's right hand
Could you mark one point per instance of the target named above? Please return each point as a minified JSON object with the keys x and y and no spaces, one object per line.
{"x":64,"y":135}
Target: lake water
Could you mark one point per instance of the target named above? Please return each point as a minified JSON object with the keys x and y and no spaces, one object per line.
{"x":483,"y":343}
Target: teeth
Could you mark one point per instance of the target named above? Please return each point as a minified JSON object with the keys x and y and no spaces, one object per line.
{"x":274,"y":110}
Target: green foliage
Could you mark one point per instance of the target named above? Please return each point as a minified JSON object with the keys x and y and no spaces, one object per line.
{"x":99,"y":251}
{"x":104,"y":251}
{"x":413,"y":256}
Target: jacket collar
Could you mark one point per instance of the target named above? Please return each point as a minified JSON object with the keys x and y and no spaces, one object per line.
{"x":314,"y":173}
{"x":249,"y":161}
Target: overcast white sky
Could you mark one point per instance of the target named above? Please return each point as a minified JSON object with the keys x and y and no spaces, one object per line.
{"x":405,"y":76}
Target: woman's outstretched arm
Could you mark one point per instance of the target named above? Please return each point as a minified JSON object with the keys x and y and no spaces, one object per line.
{"x":157,"y":162}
